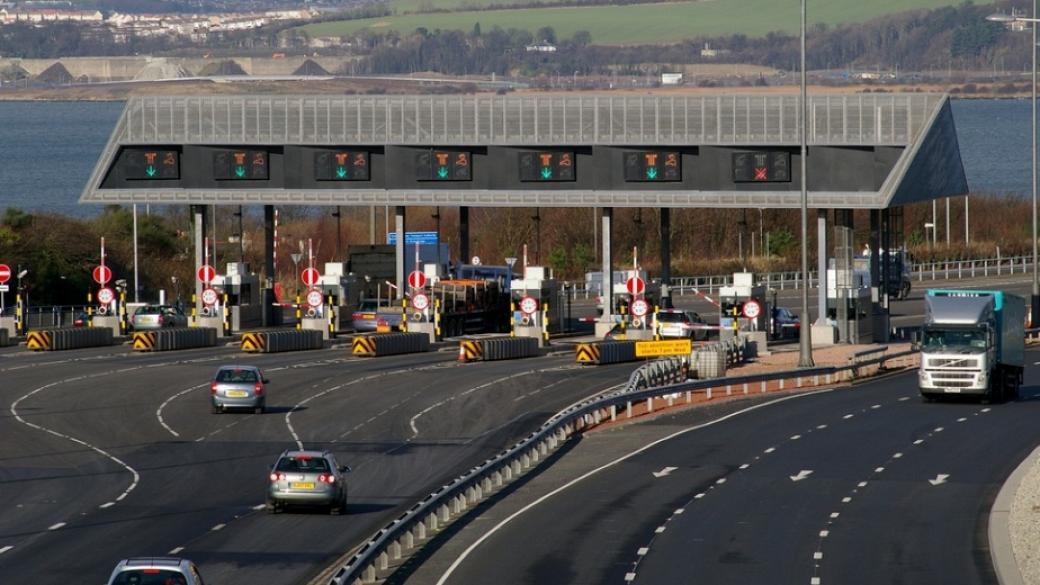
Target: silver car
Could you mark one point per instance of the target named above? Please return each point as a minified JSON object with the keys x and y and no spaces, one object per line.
{"x":311,"y":478}
{"x":158,"y":316}
{"x":155,"y":571}
{"x":238,"y":387}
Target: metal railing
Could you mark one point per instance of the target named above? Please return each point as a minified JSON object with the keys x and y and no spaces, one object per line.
{"x":409,"y":530}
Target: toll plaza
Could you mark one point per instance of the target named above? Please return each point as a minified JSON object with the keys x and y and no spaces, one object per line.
{"x":876,"y":152}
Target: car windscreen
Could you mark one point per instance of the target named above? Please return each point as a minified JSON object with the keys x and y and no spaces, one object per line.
{"x":303,"y":464}
{"x":150,"y":577}
{"x":232,"y":375}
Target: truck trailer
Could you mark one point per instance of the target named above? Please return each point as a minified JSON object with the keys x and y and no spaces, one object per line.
{"x":972,"y":342}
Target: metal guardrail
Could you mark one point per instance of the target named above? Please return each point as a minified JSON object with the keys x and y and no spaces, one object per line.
{"x":407,"y":531}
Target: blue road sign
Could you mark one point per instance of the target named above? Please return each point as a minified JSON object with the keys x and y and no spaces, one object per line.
{"x":412,"y":238}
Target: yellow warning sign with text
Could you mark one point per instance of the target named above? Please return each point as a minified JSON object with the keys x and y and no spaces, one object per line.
{"x":664,"y":348}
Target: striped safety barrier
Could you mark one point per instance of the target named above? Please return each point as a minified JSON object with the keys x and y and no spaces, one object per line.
{"x":497,"y":348}
{"x":173,"y":339}
{"x":277,"y":341}
{"x":68,"y":338}
{"x":605,"y":352}
{"x":381,"y":344}
{"x":470,"y":350}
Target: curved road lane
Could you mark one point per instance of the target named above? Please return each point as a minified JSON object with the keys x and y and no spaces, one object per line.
{"x":860,"y":485}
{"x":202,"y":475}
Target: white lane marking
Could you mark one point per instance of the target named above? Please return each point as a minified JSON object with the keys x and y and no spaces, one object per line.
{"x":174,"y":551}
{"x":659,"y":529}
{"x":14,"y":411}
{"x":939,"y":479}
{"x":423,"y":412}
{"x":744,"y":466}
{"x":158,"y":411}
{"x":918,"y":441}
{"x":107,"y":505}
{"x":938,"y":430}
{"x":879,"y":469}
{"x":698,"y":496}
{"x":455,"y":564}
{"x":795,"y":437}
{"x":630,"y":576}
{"x":987,"y":409}
{"x":847,"y":416}
{"x":875,"y":406}
{"x":861,"y":484}
{"x":846,"y":500}
{"x":801,"y":475}
{"x":259,"y":506}
{"x":664,"y":472}
{"x":817,"y":555}
{"x":904,"y":399}
{"x":835,"y":514}
{"x":720,"y":480}
{"x":642,"y":552}
{"x":5,"y":549}
{"x":821,"y":427}
{"x":679,"y":510}
{"x":56,"y":526}
{"x":218,"y":527}
{"x":770,"y":450}
{"x":962,"y":419}
{"x":897,"y":456}
{"x":824,"y":533}
{"x":814,"y":581}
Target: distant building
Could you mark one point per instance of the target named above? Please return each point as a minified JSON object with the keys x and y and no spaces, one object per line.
{"x":671,"y":78}
{"x":42,"y":15}
{"x":542,"y":47}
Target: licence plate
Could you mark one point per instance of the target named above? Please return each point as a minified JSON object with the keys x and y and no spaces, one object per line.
{"x":952,"y":390}
{"x":236,"y":394}
{"x":302,"y":485}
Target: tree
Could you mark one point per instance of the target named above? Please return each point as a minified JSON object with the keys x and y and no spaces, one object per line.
{"x":546,"y":34}
{"x":582,"y":38}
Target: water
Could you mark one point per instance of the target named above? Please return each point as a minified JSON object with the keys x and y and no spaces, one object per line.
{"x":48,"y":149}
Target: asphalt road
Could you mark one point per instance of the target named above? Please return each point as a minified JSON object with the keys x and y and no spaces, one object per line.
{"x":855,"y":486}
{"x":108,"y":453}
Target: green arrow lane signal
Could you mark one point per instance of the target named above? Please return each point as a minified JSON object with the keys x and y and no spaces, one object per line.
{"x":442,"y":172}
{"x":546,"y":173}
{"x":341,"y":172}
{"x":240,"y":172}
{"x":150,"y":171}
{"x":651,"y":173}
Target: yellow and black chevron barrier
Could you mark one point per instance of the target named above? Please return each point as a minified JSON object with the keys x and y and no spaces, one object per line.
{"x":254,"y":342}
{"x":605,"y":352}
{"x":144,"y":341}
{"x":381,"y":344}
{"x":38,"y":340}
{"x":470,"y":350}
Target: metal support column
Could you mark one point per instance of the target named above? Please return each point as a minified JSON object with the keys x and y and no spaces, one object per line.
{"x":608,"y":271}
{"x":199,"y":216}
{"x":821,"y":266}
{"x":399,"y":251}
{"x":843,"y":273}
{"x":464,"y":256}
{"x":666,"y":257}
{"x":269,"y":314}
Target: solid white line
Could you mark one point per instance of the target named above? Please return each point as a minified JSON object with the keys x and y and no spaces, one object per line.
{"x":175,"y":550}
{"x":158,"y":411}
{"x":56,"y":526}
{"x":472,"y":547}
{"x":5,"y":549}
{"x":18,"y":417}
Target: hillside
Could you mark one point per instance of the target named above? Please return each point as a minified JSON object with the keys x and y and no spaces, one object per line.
{"x":632,"y":23}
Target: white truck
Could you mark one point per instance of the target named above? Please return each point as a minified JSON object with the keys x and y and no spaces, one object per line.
{"x":972,"y":342}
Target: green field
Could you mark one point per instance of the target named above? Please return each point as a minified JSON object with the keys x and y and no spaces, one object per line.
{"x":403,"y":6}
{"x":642,"y":23}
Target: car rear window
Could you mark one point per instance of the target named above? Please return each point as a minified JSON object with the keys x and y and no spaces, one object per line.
{"x":672,"y":317}
{"x":303,"y":464}
{"x":368,"y":305}
{"x":150,"y":577}
{"x":232,"y":375}
{"x":148,"y":311}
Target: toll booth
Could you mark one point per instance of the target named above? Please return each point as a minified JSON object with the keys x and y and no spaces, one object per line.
{"x":744,"y":307}
{"x":241,"y":288}
{"x":339,"y":290}
{"x":849,"y":302}
{"x":538,"y":309}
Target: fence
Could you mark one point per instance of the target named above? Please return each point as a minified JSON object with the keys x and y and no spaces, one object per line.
{"x":410,"y":529}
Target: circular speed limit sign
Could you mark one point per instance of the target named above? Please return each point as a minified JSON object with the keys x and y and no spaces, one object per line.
{"x":420,"y":302}
{"x":529,"y":305}
{"x":640,"y":308}
{"x":105,"y":295}
{"x":209,"y":297}
{"x":314,"y":298}
{"x":752,"y":309}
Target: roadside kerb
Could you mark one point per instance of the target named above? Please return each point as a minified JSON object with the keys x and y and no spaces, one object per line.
{"x":411,"y":529}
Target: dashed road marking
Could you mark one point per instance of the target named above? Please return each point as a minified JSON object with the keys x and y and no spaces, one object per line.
{"x":962,"y":419}
{"x":720,"y":480}
{"x":107,"y":505}
{"x":835,"y":514}
{"x":630,"y":577}
{"x":659,"y":529}
{"x":875,"y":406}
{"x":987,"y":409}
{"x":847,"y":416}
{"x":5,"y":549}
{"x":745,"y":466}
{"x":56,"y":526}
{"x":824,"y":533}
{"x":174,"y":551}
{"x":897,"y":456}
{"x":862,"y":484}
{"x":820,"y":427}
{"x":817,"y":555}
{"x":642,"y":552}
{"x":795,"y":437}
{"x":904,"y":399}
{"x":770,"y":450}
{"x":846,"y":500}
{"x":938,"y":430}
{"x":814,"y":581}
{"x":218,"y":527}
{"x":879,"y":469}
{"x":918,"y":441}
{"x":699,"y":496}
{"x":259,"y":506}
{"x":679,"y":510}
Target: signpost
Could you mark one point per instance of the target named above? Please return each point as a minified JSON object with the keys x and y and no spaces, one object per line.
{"x":314,"y":298}
{"x":420,"y":302}
{"x":105,"y":296}
{"x":752,"y":309}
{"x":417,"y":279}
{"x":209,"y":296}
{"x":310,"y":276}
{"x":205,"y":274}
{"x":529,"y":305}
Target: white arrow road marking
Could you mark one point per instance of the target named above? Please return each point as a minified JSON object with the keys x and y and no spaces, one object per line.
{"x":939,"y":479}
{"x":801,"y":475}
{"x":664,"y":472}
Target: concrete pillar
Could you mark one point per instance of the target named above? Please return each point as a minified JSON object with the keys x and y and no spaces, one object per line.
{"x":843,"y":279}
{"x":821,"y":265}
{"x":399,"y":251}
{"x":267,"y":299}
{"x":606,"y":322}
{"x":666,"y":257}
{"x":464,"y":256}
{"x":199,"y":215}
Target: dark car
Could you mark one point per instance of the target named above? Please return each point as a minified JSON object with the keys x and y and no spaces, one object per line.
{"x":81,"y":320}
{"x":616,"y":333}
{"x":785,"y":324}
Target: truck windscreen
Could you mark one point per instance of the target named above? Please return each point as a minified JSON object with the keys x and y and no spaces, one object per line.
{"x":952,"y":339}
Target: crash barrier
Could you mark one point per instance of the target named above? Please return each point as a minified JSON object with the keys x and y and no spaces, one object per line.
{"x":275,"y":341}
{"x":497,"y":348}
{"x":68,"y":338}
{"x":605,"y":352}
{"x":381,"y":344}
{"x":711,"y":359}
{"x":175,"y":338}
{"x":421,"y":522}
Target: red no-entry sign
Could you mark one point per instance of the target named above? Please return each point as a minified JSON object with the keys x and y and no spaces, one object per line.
{"x":102,"y":274}
{"x":416,"y":279}
{"x":635,"y":285}
{"x":5,"y":273}
{"x":310,"y":276}
{"x":205,"y":273}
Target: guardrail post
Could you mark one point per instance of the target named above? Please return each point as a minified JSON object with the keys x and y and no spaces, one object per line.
{"x":395,"y":550}
{"x":445,"y":514}
{"x":649,"y":404}
{"x":628,"y":409}
{"x":543,"y":449}
{"x":408,"y":540}
{"x":383,"y":561}
{"x":535,"y":457}
{"x":516,"y":467}
{"x":369,"y":576}
{"x":613,"y":412}
{"x":498,"y":479}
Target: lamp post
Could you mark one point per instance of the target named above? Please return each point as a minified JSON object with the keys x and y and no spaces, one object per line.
{"x":805,"y":359}
{"x":1034,"y":301}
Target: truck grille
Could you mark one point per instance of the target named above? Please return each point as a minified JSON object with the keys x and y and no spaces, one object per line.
{"x":953,"y":383}
{"x":943,"y":376}
{"x":953,"y":363}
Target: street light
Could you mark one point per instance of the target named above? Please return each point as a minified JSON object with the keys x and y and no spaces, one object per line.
{"x":1034,"y":301}
{"x":804,"y":341}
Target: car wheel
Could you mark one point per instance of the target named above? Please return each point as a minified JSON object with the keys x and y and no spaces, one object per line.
{"x":260,"y":409}
{"x":340,"y":507}
{"x":273,"y":507}
{"x":216,"y":409}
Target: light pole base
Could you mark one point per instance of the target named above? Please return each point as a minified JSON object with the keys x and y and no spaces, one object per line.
{"x":823,"y":334}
